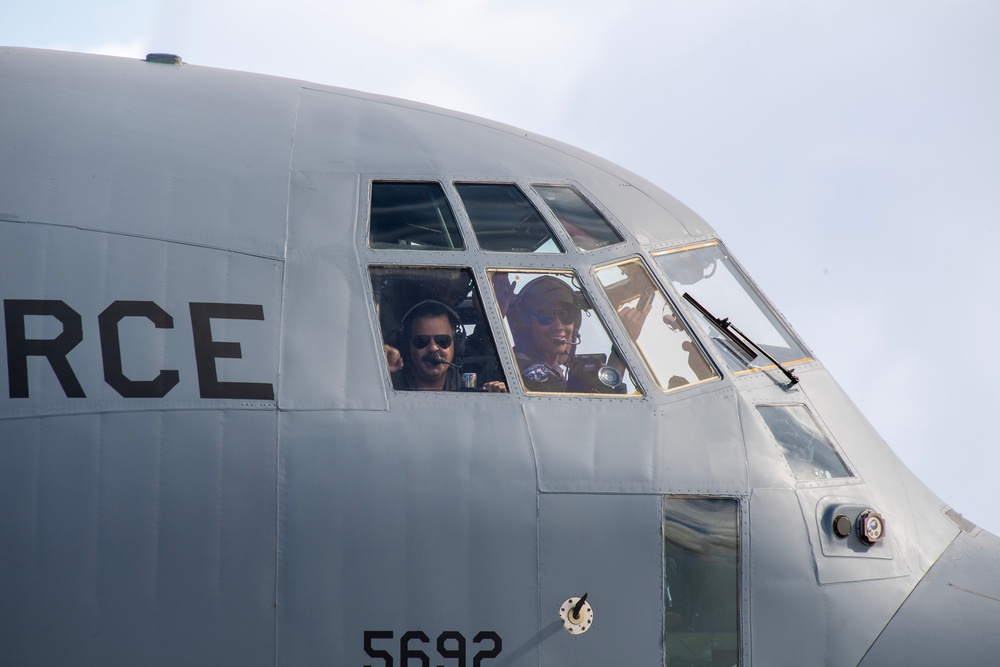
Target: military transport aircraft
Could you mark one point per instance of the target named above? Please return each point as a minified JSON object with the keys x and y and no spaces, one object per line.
{"x":297,"y":375}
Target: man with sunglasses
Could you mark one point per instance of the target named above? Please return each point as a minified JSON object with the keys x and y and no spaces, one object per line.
{"x":431,"y":333}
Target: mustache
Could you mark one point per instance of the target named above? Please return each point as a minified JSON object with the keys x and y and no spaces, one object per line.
{"x":436,"y":359}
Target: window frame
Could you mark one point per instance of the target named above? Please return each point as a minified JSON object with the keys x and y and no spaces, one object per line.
{"x":479,"y":303}
{"x":678,"y":314}
{"x":742,"y":565}
{"x":594,"y":205}
{"x":554,"y":237}
{"x":850,"y":478}
{"x":449,"y":201}
{"x":575,"y":276}
{"x":756,"y":296}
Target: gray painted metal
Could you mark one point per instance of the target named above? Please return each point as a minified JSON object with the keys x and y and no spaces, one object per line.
{"x":953,"y":615}
{"x":194,"y":529}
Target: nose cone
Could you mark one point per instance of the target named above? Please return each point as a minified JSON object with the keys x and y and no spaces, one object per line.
{"x":952,"y":616}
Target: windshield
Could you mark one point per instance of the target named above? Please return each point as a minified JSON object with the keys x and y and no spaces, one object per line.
{"x":671,"y":355}
{"x":708,"y":273}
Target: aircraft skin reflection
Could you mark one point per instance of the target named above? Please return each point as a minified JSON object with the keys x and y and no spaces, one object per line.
{"x":203,"y":459}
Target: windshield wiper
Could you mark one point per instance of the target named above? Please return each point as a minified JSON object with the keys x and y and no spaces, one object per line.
{"x":741,"y":340}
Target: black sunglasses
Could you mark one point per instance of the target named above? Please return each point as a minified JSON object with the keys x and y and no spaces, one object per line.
{"x":442,"y":340}
{"x":547,"y":317}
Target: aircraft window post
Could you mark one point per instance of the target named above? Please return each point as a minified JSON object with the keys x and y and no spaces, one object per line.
{"x":434,"y":331}
{"x":504,"y":220}
{"x":664,"y":343}
{"x":412,"y":215}
{"x":581,"y":220}
{"x":559,"y":343}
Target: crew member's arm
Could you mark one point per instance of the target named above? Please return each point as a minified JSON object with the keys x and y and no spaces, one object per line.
{"x":393,"y":359}
{"x":632,"y":319}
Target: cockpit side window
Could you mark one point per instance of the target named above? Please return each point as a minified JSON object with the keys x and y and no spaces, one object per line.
{"x":708,"y":274}
{"x":434,"y":331}
{"x":701,"y":581}
{"x":581,"y":220}
{"x":807,"y":450}
{"x":504,"y":220}
{"x":412,"y":215}
{"x":559,"y":343}
{"x":670,"y":352}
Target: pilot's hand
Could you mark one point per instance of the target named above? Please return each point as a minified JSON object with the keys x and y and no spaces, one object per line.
{"x":503,"y":287}
{"x":633,"y":319}
{"x":701,"y":369}
{"x":495,"y":387}
{"x":393,"y":359}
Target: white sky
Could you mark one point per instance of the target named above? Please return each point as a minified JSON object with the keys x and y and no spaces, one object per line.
{"x":847,"y":152}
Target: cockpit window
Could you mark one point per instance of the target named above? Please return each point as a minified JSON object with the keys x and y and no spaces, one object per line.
{"x":560,"y":345}
{"x":808,"y":452}
{"x":435,"y":335}
{"x":412,"y":215}
{"x":701,"y":583}
{"x":708,"y":274}
{"x":504,"y":220}
{"x":584,"y":223}
{"x":671,"y":355}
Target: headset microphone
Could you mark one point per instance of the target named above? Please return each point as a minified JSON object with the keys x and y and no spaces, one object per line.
{"x":438,"y":360}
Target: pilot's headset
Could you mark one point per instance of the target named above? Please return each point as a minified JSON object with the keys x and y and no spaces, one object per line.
{"x":689,"y":268}
{"x":541,"y":293}
{"x":431,"y":308}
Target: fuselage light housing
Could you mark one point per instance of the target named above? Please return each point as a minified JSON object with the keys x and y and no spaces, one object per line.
{"x":871,"y":527}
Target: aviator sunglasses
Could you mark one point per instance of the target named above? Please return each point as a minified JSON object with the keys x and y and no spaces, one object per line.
{"x":547,"y":317}
{"x":421,"y":341}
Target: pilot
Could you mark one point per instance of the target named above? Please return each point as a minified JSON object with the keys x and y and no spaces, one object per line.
{"x":431,"y":336}
{"x":544,"y":321}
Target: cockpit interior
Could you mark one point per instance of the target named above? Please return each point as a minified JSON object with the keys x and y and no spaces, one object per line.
{"x":530,"y":320}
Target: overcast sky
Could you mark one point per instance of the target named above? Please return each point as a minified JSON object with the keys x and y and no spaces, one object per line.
{"x":847,"y":152}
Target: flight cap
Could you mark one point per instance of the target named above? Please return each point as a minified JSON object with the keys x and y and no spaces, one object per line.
{"x":547,"y":292}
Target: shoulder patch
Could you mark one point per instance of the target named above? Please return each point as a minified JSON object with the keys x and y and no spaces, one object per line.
{"x":537,"y":373}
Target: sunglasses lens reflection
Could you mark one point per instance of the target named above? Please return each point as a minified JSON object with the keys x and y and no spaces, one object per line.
{"x":547,"y":317}
{"x":443,"y":341}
